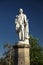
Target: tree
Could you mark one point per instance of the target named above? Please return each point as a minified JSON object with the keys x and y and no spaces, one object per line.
{"x":2,"y":61}
{"x":9,"y":55}
{"x":36,"y":52}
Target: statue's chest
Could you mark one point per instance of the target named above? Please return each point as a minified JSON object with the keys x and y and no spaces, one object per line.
{"x":21,"y":18}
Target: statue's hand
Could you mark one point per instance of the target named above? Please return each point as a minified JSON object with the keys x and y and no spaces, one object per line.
{"x":16,"y":16}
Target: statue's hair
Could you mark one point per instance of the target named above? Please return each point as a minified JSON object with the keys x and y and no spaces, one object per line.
{"x":20,"y":10}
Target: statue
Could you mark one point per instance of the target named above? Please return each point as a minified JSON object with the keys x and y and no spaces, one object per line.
{"x":22,"y":25}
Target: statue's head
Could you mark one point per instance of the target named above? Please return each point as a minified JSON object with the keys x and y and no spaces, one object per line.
{"x":20,"y":10}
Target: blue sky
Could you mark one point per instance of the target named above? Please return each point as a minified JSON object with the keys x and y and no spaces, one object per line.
{"x":9,"y":9}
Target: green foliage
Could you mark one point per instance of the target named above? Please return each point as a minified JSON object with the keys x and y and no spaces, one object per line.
{"x":8,"y":56}
{"x":36,"y":52}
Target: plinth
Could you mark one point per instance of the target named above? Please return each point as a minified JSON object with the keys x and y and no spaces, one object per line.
{"x":22,"y":53}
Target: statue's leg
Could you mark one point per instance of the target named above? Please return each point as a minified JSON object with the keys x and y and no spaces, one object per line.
{"x":20,"y":35}
{"x":26,"y":31}
{"x":22,"y":32}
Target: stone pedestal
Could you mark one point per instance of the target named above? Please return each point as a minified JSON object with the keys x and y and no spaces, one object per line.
{"x":22,"y":54}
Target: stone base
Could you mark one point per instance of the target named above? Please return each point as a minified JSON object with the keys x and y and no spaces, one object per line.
{"x":22,"y":54}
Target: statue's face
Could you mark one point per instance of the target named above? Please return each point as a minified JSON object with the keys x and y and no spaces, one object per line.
{"x":21,"y":10}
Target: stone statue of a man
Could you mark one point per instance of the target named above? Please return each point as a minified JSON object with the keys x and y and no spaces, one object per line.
{"x":22,"y":25}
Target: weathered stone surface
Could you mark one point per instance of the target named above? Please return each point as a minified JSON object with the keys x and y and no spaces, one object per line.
{"x":22,"y":54}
